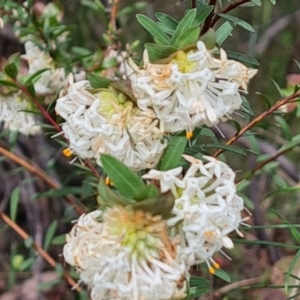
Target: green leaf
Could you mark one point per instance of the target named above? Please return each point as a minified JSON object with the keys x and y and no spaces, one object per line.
{"x":30,"y":89}
{"x":50,"y":234}
{"x":167,"y":20}
{"x":26,"y":264}
{"x":273,"y":2}
{"x":95,"y":5}
{"x":289,"y":271}
{"x":198,"y":281}
{"x":11,"y":70}
{"x":14,"y":202}
{"x":209,"y":38}
{"x":237,"y":21}
{"x":257,"y":2}
{"x":202,"y":14}
{"x":294,"y":142}
{"x":157,"y":52}
{"x":34,"y":77}
{"x":223,"y":32}
{"x":98,"y":82}
{"x":59,"y":240}
{"x":284,"y":190}
{"x":222,"y":274}
{"x":242,"y":57}
{"x":148,"y":192}
{"x":159,"y":205}
{"x":284,"y":126}
{"x":187,"y":37}
{"x":107,"y":197}
{"x":8,"y":83}
{"x":153,"y":29}
{"x":229,"y":148}
{"x":173,"y":153}
{"x":125,"y":180}
{"x":28,"y":242}
{"x":186,"y":23}
{"x":246,"y":106}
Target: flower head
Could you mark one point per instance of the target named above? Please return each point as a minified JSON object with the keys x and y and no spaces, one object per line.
{"x":14,"y":117}
{"x":50,"y":81}
{"x":193,"y":89}
{"x":106,"y":121}
{"x":206,"y":207}
{"x":126,"y":255}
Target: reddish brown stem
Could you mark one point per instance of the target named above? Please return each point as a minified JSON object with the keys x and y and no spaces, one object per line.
{"x":226,"y":10}
{"x":38,"y":248}
{"x":257,"y":120}
{"x":208,"y":20}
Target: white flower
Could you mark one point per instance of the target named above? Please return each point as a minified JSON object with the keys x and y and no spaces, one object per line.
{"x":50,"y":81}
{"x":193,"y":89}
{"x":14,"y":118}
{"x":108,"y":122}
{"x":125,"y":255}
{"x":206,"y":207}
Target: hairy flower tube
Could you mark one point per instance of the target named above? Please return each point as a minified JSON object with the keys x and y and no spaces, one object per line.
{"x":206,"y":207}
{"x":106,"y":121}
{"x":126,"y":255}
{"x":13,"y":116}
{"x":194,"y":88}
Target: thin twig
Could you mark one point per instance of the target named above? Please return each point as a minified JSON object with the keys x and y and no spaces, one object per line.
{"x":257,"y":120}
{"x":80,"y":208}
{"x":194,"y":3}
{"x":239,"y":284}
{"x":262,"y":164}
{"x":208,"y":20}
{"x":113,"y":15}
{"x":38,"y":248}
{"x":226,"y":10}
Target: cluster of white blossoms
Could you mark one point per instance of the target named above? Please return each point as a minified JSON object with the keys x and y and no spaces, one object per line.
{"x":50,"y":81}
{"x":193,"y":89}
{"x":106,"y":121}
{"x":13,"y":116}
{"x":206,"y":207}
{"x":126,"y":255}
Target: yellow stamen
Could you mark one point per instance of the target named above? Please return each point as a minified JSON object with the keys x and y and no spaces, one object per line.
{"x":216,"y":265}
{"x":189,"y":134}
{"x":107,"y":181}
{"x":211,"y":270}
{"x":67,"y":152}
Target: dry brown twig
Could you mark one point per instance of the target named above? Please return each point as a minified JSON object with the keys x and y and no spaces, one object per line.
{"x":38,"y":248}
{"x":80,"y":209}
{"x":257,"y":120}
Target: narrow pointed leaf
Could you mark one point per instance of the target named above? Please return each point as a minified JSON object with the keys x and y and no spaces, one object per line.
{"x":153,"y":29}
{"x":107,"y":197}
{"x":187,"y":37}
{"x":223,"y":32}
{"x":223,"y":275}
{"x":173,"y":153}
{"x":98,"y":82}
{"x":159,"y":205}
{"x":237,"y":21}
{"x":148,"y":192}
{"x":11,"y":70}
{"x":14,"y":202}
{"x":243,"y":58}
{"x":157,"y":52}
{"x":170,"y":22}
{"x":50,"y":234}
{"x":184,"y":24}
{"x":124,"y":179}
{"x":202,"y":14}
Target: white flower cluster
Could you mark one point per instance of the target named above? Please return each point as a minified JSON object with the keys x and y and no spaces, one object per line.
{"x":125,"y":255}
{"x":50,"y":81}
{"x":193,"y":89}
{"x":206,"y":207}
{"x":107,"y":122}
{"x":13,"y":116}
